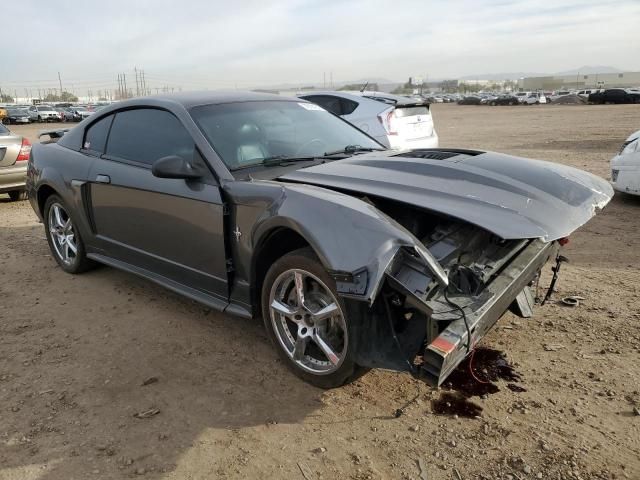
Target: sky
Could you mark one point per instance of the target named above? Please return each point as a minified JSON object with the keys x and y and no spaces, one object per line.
{"x":198,"y":44}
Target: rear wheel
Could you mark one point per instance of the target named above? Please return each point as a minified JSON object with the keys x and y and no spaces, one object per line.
{"x":307,"y":321}
{"x":64,"y":238}
{"x":18,"y":195}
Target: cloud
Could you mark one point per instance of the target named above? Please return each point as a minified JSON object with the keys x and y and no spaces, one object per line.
{"x":213,"y":44}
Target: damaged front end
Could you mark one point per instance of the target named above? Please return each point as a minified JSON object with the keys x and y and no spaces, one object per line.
{"x":439,"y":298}
{"x":460,"y":237}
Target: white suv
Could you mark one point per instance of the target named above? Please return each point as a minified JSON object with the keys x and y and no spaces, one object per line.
{"x":394,"y":121}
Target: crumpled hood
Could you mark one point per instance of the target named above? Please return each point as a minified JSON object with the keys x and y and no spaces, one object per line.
{"x":509,"y":196}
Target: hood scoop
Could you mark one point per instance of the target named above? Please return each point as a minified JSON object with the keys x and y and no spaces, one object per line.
{"x":438,"y":153}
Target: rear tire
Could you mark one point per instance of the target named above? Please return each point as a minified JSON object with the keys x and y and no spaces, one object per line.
{"x":64,"y":237}
{"x":302,"y":349}
{"x":18,"y":195}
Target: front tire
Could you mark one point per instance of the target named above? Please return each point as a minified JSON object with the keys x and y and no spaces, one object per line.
{"x":307,"y":321}
{"x":63,"y":236}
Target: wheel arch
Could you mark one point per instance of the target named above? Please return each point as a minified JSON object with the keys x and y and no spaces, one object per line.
{"x":272,"y":245}
{"x":43,"y":193}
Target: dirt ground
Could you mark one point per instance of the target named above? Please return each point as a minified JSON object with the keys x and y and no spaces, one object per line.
{"x":76,"y":350}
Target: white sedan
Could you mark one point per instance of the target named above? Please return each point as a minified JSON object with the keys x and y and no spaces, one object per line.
{"x":625,"y":166}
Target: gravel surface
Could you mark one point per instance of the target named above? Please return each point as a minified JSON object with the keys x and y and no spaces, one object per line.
{"x":105,"y":375}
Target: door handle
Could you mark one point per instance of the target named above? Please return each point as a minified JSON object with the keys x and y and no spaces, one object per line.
{"x":103,"y":179}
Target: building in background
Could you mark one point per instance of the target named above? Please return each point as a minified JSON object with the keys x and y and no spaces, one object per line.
{"x":579,"y":81}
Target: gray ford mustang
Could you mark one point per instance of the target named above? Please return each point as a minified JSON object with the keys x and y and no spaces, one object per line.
{"x":258,"y":205}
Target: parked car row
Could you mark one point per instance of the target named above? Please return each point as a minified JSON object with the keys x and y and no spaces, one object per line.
{"x":592,"y":96}
{"x":519,"y":98}
{"x":43,"y":113}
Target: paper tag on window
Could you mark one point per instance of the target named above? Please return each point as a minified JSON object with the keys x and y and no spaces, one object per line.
{"x":311,"y":106}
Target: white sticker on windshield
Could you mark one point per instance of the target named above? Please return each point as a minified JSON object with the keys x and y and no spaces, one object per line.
{"x":311,"y":106}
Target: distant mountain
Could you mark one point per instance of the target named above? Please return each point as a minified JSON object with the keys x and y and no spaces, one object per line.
{"x":584,"y":70}
{"x":320,"y":86}
{"x":589,"y":69}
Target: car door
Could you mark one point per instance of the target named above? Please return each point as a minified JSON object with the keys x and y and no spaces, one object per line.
{"x":167,"y":229}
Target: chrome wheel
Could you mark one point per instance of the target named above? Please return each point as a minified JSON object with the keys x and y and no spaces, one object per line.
{"x":63,"y":236}
{"x":308,"y":322}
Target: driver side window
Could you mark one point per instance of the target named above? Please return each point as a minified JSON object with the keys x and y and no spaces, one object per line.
{"x":144,"y":135}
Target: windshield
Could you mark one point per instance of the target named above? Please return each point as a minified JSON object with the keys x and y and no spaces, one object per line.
{"x":44,"y":108}
{"x":248,"y":133}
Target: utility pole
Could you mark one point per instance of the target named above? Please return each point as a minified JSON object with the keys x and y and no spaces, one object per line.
{"x":144,"y":83}
{"x":124,"y":82}
{"x":60,"y":82}
{"x":135,"y":70}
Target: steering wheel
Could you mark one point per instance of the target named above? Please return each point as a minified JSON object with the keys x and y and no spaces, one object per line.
{"x":304,"y":146}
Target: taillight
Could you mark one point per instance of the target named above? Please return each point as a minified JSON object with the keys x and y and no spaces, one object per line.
{"x":25,"y":150}
{"x":563,"y":241}
{"x":388,"y":121}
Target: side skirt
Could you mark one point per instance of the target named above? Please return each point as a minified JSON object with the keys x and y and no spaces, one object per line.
{"x":208,"y":300}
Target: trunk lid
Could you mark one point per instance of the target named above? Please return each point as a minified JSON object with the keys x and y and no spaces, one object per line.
{"x":413,"y":121}
{"x":509,"y":196}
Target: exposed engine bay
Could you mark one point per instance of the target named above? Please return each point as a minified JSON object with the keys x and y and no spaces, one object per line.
{"x":432,"y":326}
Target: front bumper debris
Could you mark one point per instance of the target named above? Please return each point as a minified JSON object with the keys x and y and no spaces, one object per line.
{"x":449,"y":348}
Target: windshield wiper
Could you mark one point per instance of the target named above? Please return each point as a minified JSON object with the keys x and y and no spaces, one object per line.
{"x":353,"y":149}
{"x":275,"y":161}
{"x":284,"y":160}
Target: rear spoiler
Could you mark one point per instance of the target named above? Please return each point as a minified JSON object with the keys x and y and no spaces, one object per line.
{"x":398,"y":104}
{"x":54,"y":134}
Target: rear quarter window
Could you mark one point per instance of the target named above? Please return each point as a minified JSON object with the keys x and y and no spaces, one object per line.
{"x":95,"y":139}
{"x":348,"y":106}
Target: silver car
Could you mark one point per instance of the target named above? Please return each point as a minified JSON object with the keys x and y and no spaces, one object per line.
{"x":14,"y":155}
{"x":43,"y":113}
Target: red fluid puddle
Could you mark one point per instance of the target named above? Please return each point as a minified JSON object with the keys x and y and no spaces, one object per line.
{"x":454,"y":403}
{"x":475,"y":377}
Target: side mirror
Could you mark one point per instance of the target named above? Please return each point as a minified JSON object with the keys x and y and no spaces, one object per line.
{"x":174,"y":166}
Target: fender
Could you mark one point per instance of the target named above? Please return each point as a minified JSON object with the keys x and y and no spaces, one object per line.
{"x":68,"y":186}
{"x":356,"y":250}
